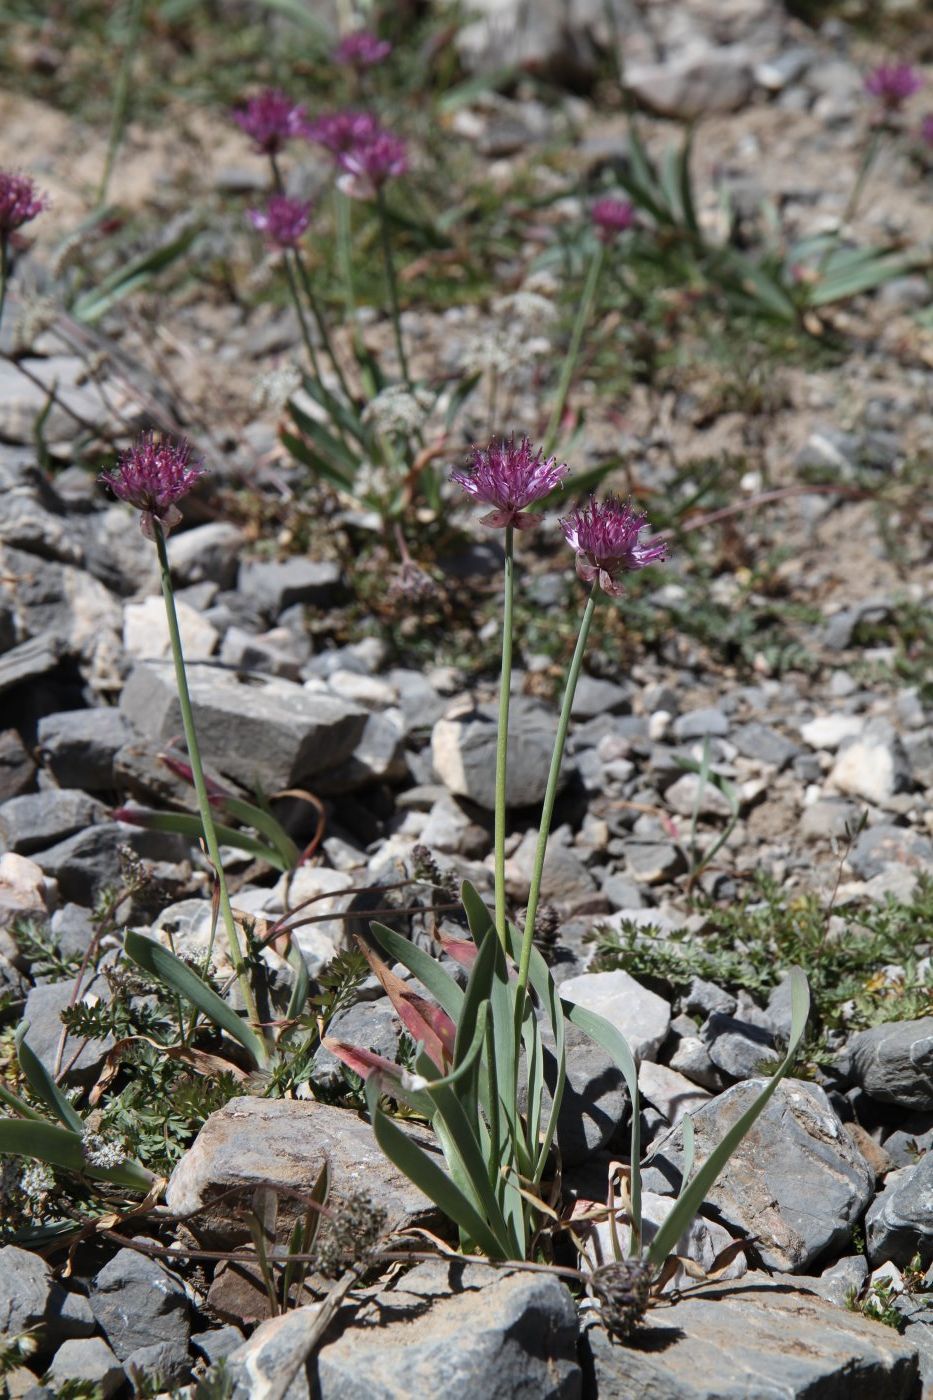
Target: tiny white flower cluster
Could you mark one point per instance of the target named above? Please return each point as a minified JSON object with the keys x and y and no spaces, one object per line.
{"x":530,"y":310}
{"x":399,"y":410}
{"x":274,"y":388}
{"x":518,"y":338}
{"x":99,"y":1151}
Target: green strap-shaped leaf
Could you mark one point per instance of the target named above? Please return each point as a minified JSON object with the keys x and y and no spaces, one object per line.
{"x":43,"y":1085}
{"x":263,"y":821}
{"x":694,"y":1194}
{"x":421,"y":965}
{"x":59,"y":1147}
{"x":172,"y":972}
{"x":186,"y":824}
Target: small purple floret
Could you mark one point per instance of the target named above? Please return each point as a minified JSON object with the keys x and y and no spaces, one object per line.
{"x":20,"y":201}
{"x":366,"y":166}
{"x":612,"y":217}
{"x":283,"y":221}
{"x":152,"y":476}
{"x":893,"y":84}
{"x":271,"y":119}
{"x":338,"y":132}
{"x":510,"y":476}
{"x":362,"y":50}
{"x":605,"y":537}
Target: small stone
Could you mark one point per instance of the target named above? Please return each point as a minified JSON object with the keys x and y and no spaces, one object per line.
{"x":762,"y":742}
{"x":700,"y":724}
{"x":829,"y":819}
{"x":899,"y":1223}
{"x":24,"y":889}
{"x":566,"y":882}
{"x":206,"y":553}
{"x":594,"y":697}
{"x":653,"y":862}
{"x":873,"y":766}
{"x":42,"y":1013}
{"x":641,"y":1016}
{"x":166,"y":1363}
{"x":146,"y":634}
{"x":702,"y":998}
{"x":79,"y":746}
{"x":691,"y":793}
{"x":275,"y":586}
{"x":691,"y":1059}
{"x":828,"y":731}
{"x":893,"y":1062}
{"x":700,"y":82}
{"x":463,"y":752}
{"x":738,"y":1048}
{"x":39,"y":819}
{"x":137,"y":1303}
{"x":841,"y":1278}
{"x":878,"y":847}
{"x":672,"y":1094}
{"x":89,"y":1361}
{"x":17,"y":770}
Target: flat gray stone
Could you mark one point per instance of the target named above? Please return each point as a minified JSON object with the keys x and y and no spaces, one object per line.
{"x":873,"y":766}
{"x":275,"y":585}
{"x":39,"y":819}
{"x":463,"y":751}
{"x":207,"y":553}
{"x":79,"y":746}
{"x":90,"y":859}
{"x":764,"y":743}
{"x":42,"y":1013}
{"x":137,"y":1304}
{"x":894,"y":1062}
{"x":738,"y":1048}
{"x":754,"y":1339}
{"x":641,"y":1016}
{"x":653,"y":862}
{"x":899,"y":1223}
{"x":877,"y":847}
{"x":89,"y":1360}
{"x":284,"y":1143}
{"x":698,"y":724}
{"x":796,"y":1181}
{"x":269,"y":731}
{"x":594,"y":697}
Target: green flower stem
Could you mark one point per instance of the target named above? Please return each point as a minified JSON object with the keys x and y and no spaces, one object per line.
{"x":321,"y":324}
{"x":342,"y":218}
{"x":502,"y":735}
{"x":550,"y":795}
{"x":393,"y":284}
{"x":4,"y":274}
{"x":300,"y":312}
{"x":573,"y":350}
{"x":121,"y":97}
{"x":848,"y":214}
{"x":197,"y":772}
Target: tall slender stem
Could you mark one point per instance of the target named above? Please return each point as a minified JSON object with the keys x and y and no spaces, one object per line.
{"x":550,"y":795}
{"x":573,"y":349}
{"x":393,"y":285}
{"x":321,"y":324}
{"x":300,"y":313}
{"x":342,"y":216}
{"x":855,"y":195}
{"x":502,"y":736}
{"x":200,"y":787}
{"x":4,"y":273}
{"x":121,"y":95}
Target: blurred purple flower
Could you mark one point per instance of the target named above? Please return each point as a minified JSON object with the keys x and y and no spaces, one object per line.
{"x":612,"y":217}
{"x":338,"y":132}
{"x":926,"y":129}
{"x":271,"y":119}
{"x":892,"y":84}
{"x":605,"y":536}
{"x":20,"y":201}
{"x":361,"y":49}
{"x":366,"y":166}
{"x":152,"y":475}
{"x":510,"y":476}
{"x":283,"y":221}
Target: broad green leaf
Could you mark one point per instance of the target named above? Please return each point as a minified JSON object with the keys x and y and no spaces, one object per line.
{"x":19,"y":1106}
{"x":421,"y":965}
{"x":186,"y":824}
{"x":263,"y":821}
{"x":119,"y":284}
{"x":327,"y":443}
{"x":304,"y":453}
{"x":345,"y":415}
{"x":837,"y":286}
{"x":302,"y":983}
{"x":43,"y":1085}
{"x":694,"y":1194}
{"x":172,"y":972}
{"x":59,"y":1147}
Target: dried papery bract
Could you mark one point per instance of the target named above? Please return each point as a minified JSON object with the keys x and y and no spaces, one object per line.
{"x":607,"y":538}
{"x":153,"y":476}
{"x":271,"y":119}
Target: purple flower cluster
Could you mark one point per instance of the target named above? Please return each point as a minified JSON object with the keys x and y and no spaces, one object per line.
{"x":361,"y":50}
{"x":366,"y":153}
{"x":612,"y":217}
{"x":270,"y":119}
{"x":510,"y":476}
{"x":893,"y":84}
{"x":339,"y":132}
{"x":19,"y":201}
{"x":283,"y":221}
{"x":605,"y":535}
{"x":152,"y":475}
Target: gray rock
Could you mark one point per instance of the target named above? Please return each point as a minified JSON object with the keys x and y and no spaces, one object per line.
{"x":463,"y":751}
{"x":566,"y":882}
{"x":217,"y":1342}
{"x":697,"y":724}
{"x":89,"y":1360}
{"x":270,"y":731}
{"x":207,"y":553}
{"x":837,"y":1282}
{"x":910,"y":1140}
{"x":165,"y":1364}
{"x":78,"y":746}
{"x":90,"y":859}
{"x":378,"y":757}
{"x":39,"y":819}
{"x":641,"y":1016}
{"x":462,"y":1331}
{"x":594,"y":697}
{"x":274,"y":653}
{"x":622,"y":893}
{"x":691,"y":793}
{"x":371,"y":1025}
{"x":764,"y":743}
{"x":34,"y":657}
{"x":708,"y":80}
{"x":283,"y":1143}
{"x":703,"y":998}
{"x":30,"y":1297}
{"x":738,"y":1048}
{"x":899,"y":1223}
{"x":894,"y":1062}
{"x":42,"y":1013}
{"x":420,"y":703}
{"x":830,"y":818}
{"x":275,"y":586}
{"x":691,"y":1059}
{"x":873,"y":766}
{"x":137,"y":1304}
{"x":754,"y":1339}
{"x":880,"y":846}
{"x":653,"y":862}
{"x":17,"y":769}
{"x":796,"y":1182}
{"x":595,"y":1099}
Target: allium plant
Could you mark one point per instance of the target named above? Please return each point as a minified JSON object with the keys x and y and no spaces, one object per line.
{"x":361,"y":50}
{"x":20,"y":203}
{"x":283,"y":221}
{"x":893,"y":84}
{"x":474,"y":1044}
{"x":271,"y":120}
{"x":154,"y":475}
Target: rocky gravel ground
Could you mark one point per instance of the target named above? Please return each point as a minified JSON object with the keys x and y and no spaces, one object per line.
{"x":732,"y":801}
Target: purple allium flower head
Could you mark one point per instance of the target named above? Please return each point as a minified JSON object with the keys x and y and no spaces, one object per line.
{"x":20,"y":201}
{"x":510,"y":476}
{"x":271,"y":119}
{"x":361,"y":49}
{"x":152,"y":475}
{"x":367,"y":165}
{"x":926,"y":130}
{"x":892,"y":84}
{"x":605,"y":536}
{"x":612,"y":217}
{"x":283,"y":220}
{"x":338,"y":132}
